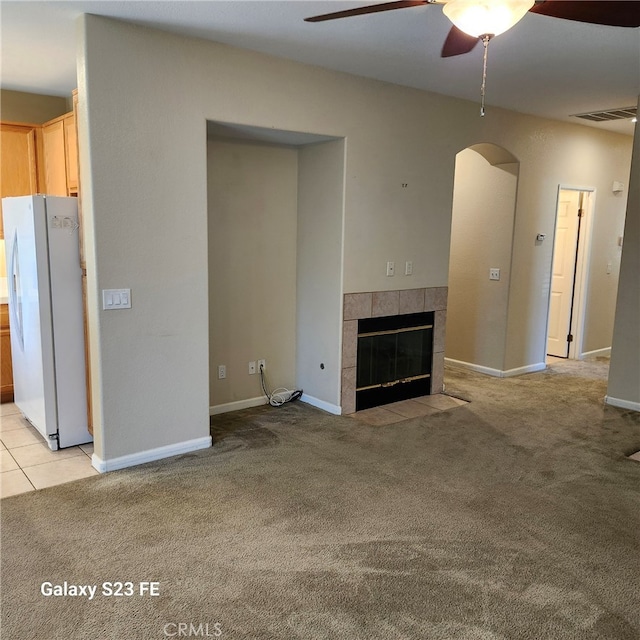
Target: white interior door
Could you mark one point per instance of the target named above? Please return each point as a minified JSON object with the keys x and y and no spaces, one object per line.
{"x":563,"y":273}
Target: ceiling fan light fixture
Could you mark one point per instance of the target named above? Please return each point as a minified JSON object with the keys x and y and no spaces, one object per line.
{"x":486,"y":17}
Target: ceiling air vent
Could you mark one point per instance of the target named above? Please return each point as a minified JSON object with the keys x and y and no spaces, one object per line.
{"x":611,"y":114}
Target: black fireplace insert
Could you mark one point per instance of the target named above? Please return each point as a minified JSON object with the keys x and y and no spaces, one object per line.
{"x":394,"y":359}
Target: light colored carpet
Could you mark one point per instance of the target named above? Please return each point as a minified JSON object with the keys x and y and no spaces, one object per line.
{"x":516,"y":516}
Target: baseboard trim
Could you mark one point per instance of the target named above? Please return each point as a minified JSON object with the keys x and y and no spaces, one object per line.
{"x":530,"y":368}
{"x":622,"y":404}
{"x":133,"y":459}
{"x":321,"y":404}
{"x":236,"y":406}
{"x":496,"y":373}
{"x":461,"y":364}
{"x":594,"y":354}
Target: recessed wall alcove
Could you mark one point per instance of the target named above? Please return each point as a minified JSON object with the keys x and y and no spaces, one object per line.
{"x":275,"y":203}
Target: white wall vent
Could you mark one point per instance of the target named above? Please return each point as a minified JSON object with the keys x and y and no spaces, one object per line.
{"x":623,"y":113}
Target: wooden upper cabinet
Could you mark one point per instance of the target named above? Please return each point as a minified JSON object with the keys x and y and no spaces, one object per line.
{"x":60,"y":146}
{"x":71,"y":153}
{"x":39,"y":158}
{"x":55,"y":171}
{"x":18,"y":173}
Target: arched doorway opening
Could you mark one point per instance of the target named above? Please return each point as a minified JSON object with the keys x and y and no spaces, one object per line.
{"x":483,"y":219}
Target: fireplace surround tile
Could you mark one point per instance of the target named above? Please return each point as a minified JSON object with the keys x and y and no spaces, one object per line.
{"x":411,"y":301}
{"x":357,"y":305}
{"x":349,"y":343}
{"x":390,"y":303}
{"x":435,"y":298}
{"x":348,"y":392}
{"x":439,"y":319}
{"x":437,"y":373}
{"x":440,"y":302}
{"x":385,"y":303}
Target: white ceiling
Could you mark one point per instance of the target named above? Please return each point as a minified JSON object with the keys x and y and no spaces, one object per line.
{"x":543,"y":66}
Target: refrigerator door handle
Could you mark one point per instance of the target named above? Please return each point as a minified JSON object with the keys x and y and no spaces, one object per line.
{"x":16,"y":292}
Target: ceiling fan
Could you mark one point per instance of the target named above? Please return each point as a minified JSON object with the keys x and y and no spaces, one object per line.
{"x":471,"y":18}
{"x":480,"y":20}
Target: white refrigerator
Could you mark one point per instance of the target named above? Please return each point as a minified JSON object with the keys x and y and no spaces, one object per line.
{"x":46,"y":316}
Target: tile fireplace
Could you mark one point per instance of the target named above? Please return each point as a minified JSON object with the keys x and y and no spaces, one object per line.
{"x":392,"y":346}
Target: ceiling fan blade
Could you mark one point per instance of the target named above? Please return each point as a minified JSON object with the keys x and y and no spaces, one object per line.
{"x":385,"y":6}
{"x":457,"y":43}
{"x":614,"y":13}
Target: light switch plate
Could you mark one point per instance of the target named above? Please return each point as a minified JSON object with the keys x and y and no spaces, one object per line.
{"x":116,"y":299}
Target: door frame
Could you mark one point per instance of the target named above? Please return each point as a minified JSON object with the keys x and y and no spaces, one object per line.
{"x":581,"y":279}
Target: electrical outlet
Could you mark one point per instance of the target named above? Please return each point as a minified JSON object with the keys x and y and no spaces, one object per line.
{"x":408,"y":268}
{"x":222,"y":371}
{"x":252,"y":367}
{"x":391,"y":268}
{"x":494,"y":274}
{"x":262,"y":365}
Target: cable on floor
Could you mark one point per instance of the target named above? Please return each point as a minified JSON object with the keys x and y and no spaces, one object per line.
{"x":281,"y":395}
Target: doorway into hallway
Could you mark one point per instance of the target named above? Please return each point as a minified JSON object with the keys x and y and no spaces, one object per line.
{"x":568,"y":275}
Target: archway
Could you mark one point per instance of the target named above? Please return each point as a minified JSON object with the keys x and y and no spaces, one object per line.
{"x":483,"y":219}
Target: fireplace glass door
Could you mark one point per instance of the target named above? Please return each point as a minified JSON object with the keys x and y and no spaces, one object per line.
{"x":394,"y":358}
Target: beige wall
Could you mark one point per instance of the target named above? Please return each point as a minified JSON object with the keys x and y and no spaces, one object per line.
{"x":18,"y":106}
{"x":320,"y":263}
{"x":253,"y":191}
{"x":144,"y":173}
{"x":608,"y":227}
{"x":624,"y":376}
{"x":567,"y":156}
{"x":484,"y":201}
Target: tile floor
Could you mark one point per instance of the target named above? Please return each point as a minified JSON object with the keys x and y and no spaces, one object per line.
{"x":405,"y":409}
{"x":27,"y":463}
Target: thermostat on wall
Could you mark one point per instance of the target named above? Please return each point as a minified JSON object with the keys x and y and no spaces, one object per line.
{"x":617,"y":187}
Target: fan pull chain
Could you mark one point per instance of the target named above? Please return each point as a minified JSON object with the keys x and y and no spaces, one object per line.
{"x":485,"y":43}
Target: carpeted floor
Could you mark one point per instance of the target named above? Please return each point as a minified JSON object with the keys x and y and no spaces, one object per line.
{"x":516,"y":516}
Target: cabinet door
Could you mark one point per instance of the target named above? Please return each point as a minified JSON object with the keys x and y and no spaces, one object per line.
{"x":18,"y":176}
{"x":6,"y":373}
{"x":55,"y":172}
{"x":71,"y":153}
